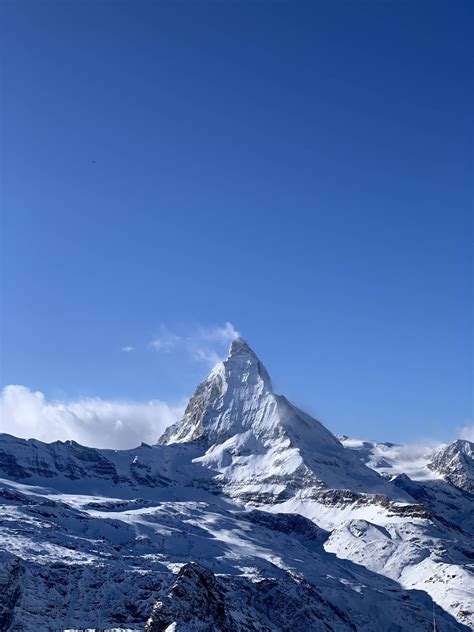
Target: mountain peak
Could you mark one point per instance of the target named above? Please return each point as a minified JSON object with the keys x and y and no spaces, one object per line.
{"x":228,"y":401}
{"x":251,"y":434}
{"x":455,"y":463}
{"x":240,"y":346}
{"x":243,"y":366}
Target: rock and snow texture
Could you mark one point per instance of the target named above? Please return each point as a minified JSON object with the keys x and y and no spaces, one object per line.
{"x":249,"y":515}
{"x":455,"y":463}
{"x":71,"y":561}
{"x":391,"y":459}
{"x":201,"y":601}
{"x":264,"y":448}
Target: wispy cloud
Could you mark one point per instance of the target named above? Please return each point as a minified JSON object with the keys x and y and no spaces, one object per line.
{"x":127,"y":349}
{"x":467,"y":432}
{"x":203,"y":344}
{"x":224,"y":334}
{"x":165,"y":340}
{"x":91,"y":421}
{"x":206,"y":355}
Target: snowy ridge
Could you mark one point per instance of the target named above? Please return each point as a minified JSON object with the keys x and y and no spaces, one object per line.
{"x":248,"y":515}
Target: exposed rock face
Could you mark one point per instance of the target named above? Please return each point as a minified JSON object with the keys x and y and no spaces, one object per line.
{"x":455,"y":463}
{"x":10,"y":589}
{"x":35,"y":462}
{"x":199,"y":601}
{"x":195,"y":598}
{"x":68,"y":458}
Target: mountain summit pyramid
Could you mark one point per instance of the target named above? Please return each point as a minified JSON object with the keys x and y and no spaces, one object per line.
{"x":262,"y":445}
{"x":237,"y":396}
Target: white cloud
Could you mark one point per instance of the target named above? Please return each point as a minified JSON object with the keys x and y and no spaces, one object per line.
{"x":467,"y":432}
{"x":91,"y":421}
{"x":206,"y":355}
{"x":166,"y":340}
{"x":127,"y":348}
{"x":224,"y":334}
{"x":204,"y":344}
{"x":392,"y":458}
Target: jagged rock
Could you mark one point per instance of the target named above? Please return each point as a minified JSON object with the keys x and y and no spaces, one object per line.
{"x":455,"y":463}
{"x":194,"y":599}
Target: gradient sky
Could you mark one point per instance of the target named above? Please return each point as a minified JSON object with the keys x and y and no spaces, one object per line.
{"x":301,"y":170}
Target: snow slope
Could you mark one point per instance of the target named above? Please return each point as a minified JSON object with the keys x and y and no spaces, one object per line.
{"x":249,"y":515}
{"x":100,"y":562}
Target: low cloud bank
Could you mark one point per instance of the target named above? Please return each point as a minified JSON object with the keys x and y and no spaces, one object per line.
{"x":121,"y":424}
{"x":94,"y":421}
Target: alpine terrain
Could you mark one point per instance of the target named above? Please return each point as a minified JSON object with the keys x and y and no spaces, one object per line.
{"x":247,"y":515}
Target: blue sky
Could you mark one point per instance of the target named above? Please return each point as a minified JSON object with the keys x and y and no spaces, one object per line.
{"x":300,"y":170}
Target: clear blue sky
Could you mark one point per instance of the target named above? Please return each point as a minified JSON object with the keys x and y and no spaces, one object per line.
{"x":303,"y":170}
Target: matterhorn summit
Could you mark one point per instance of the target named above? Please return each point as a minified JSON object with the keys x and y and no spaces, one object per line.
{"x":263,"y":447}
{"x":236,"y":396}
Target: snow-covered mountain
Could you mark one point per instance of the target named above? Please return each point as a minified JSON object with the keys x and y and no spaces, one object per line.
{"x":264,"y":448}
{"x":455,"y":463}
{"x":391,"y":459}
{"x":248,"y":515}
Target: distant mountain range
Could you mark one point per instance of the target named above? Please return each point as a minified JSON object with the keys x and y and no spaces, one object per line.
{"x":247,"y":515}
